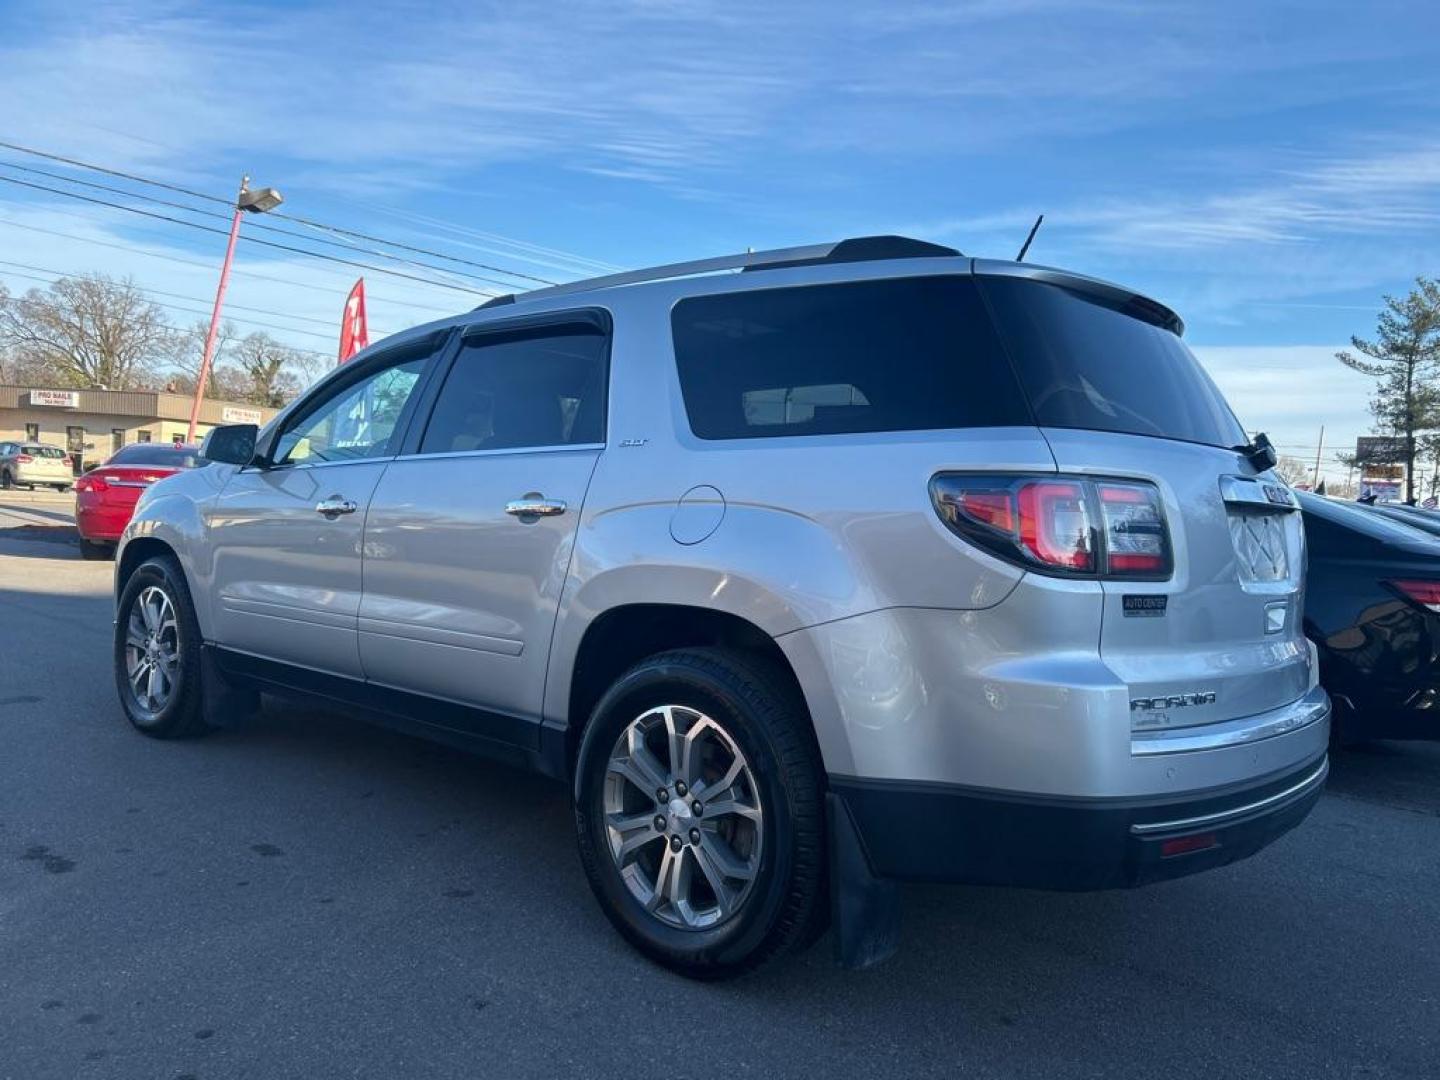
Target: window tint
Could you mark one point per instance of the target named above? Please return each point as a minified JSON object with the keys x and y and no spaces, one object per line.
{"x":1086,"y":365}
{"x":356,"y":422}
{"x":43,"y":451}
{"x":1340,"y":528}
{"x":544,"y":388}
{"x":173,"y":457}
{"x":899,"y":355}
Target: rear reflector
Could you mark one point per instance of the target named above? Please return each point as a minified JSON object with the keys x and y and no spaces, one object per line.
{"x":1072,"y":526}
{"x":1184,"y":845}
{"x":1424,"y":593}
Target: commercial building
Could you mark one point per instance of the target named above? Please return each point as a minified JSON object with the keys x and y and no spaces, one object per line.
{"x":92,"y":424}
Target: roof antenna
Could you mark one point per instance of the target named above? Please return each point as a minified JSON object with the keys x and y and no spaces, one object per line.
{"x":1026,"y":246}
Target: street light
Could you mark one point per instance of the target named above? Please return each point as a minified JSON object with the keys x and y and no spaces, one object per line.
{"x":256,"y":201}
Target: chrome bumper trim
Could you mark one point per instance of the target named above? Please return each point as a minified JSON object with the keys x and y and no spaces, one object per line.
{"x":1221,"y":817}
{"x":1248,"y":729}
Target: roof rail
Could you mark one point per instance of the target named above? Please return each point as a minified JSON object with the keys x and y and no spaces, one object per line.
{"x":855,"y":249}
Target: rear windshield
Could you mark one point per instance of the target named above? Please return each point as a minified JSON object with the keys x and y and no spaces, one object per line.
{"x":43,"y":451}
{"x":903,"y":354}
{"x":1088,"y":365}
{"x":174,"y":457}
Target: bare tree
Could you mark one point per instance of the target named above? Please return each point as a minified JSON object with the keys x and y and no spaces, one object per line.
{"x":268,"y":368}
{"x":89,"y":330}
{"x":1293,"y":471}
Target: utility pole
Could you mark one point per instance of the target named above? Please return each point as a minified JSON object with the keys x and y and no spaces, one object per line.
{"x":1319,"y":449}
{"x":254,"y":202}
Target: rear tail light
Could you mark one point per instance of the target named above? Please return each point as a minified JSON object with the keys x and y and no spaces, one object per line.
{"x":1424,"y":593}
{"x":23,"y":459}
{"x":67,"y":463}
{"x":91,"y":483}
{"x":1071,"y":526}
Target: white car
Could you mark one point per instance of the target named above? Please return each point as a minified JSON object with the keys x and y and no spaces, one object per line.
{"x":31,"y":464}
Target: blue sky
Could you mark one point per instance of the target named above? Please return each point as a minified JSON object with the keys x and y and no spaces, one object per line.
{"x":1269,"y":169}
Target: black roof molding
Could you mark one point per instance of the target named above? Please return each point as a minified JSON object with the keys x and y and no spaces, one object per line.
{"x":867,"y":249}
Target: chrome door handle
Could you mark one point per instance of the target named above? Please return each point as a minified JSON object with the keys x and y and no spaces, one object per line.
{"x":533,"y":505}
{"x":333,"y":507}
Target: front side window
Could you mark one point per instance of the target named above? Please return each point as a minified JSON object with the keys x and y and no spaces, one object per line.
{"x":529,"y":389}
{"x":357,"y":422}
{"x":902,"y":354}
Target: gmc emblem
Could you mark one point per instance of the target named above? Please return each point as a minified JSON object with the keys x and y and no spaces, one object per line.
{"x":1172,"y":701}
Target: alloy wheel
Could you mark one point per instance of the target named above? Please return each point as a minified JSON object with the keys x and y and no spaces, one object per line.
{"x":683,"y":817}
{"x":152,"y":649}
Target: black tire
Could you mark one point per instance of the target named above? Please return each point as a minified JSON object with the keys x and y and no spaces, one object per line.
{"x":787,"y":903}
{"x":181,"y":714}
{"x":6,"y":480}
{"x":93,"y":550}
{"x":62,"y":488}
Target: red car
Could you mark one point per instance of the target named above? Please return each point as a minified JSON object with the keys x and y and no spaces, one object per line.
{"x":105,"y":496}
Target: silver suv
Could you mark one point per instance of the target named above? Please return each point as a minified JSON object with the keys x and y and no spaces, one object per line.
{"x":810,"y":571}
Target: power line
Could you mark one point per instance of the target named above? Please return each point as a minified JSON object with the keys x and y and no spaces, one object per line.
{"x":74,"y":162}
{"x":193,"y":299}
{"x":254,"y":274}
{"x":276,"y":229}
{"x":248,"y":239}
{"x":186,"y":311}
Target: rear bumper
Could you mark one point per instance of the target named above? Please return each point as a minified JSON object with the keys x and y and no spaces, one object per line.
{"x":933,"y":833}
{"x":937,"y":832}
{"x":102,"y":523}
{"x":31,"y":476}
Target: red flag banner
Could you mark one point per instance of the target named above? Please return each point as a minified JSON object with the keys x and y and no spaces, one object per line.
{"x":354,"y":334}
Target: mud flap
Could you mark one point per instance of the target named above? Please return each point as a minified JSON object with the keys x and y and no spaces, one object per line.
{"x":222,"y":703}
{"x":864,"y":909}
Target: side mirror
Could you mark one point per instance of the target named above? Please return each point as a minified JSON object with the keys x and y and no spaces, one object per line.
{"x":232,"y":444}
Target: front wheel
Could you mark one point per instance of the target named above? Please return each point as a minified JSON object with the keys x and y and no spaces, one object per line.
{"x":157,"y":652}
{"x":6,"y":481}
{"x":699,"y":812}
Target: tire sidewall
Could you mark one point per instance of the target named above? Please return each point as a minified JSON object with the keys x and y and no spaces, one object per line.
{"x":712,"y":951}
{"x":178,"y":714}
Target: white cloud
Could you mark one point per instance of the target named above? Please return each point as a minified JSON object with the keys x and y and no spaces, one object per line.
{"x":1288,"y":391}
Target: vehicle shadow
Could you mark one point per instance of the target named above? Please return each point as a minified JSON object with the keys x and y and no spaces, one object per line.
{"x":41,"y":541}
{"x":996,"y":975}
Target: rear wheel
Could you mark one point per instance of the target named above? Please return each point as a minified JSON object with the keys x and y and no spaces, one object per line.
{"x":157,"y":652}
{"x":699,"y":812}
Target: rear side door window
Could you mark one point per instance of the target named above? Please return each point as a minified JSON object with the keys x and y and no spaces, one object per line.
{"x":530,"y":389}
{"x":900,"y":354}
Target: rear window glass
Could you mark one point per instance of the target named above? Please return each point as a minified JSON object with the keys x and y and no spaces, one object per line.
{"x":903,"y":354}
{"x":1087,"y":365}
{"x":174,"y":457}
{"x":43,"y":451}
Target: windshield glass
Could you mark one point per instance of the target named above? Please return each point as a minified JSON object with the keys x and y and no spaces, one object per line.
{"x":1085,"y":364}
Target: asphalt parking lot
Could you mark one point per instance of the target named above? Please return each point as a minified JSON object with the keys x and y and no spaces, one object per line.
{"x":308,"y":897}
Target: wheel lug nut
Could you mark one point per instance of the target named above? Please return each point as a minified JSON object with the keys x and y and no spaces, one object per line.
{"x":675,"y":843}
{"x":659,"y":822}
{"x":663,"y":795}
{"x":695,"y":806}
{"x":680,"y":788}
{"x":694,"y":836}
